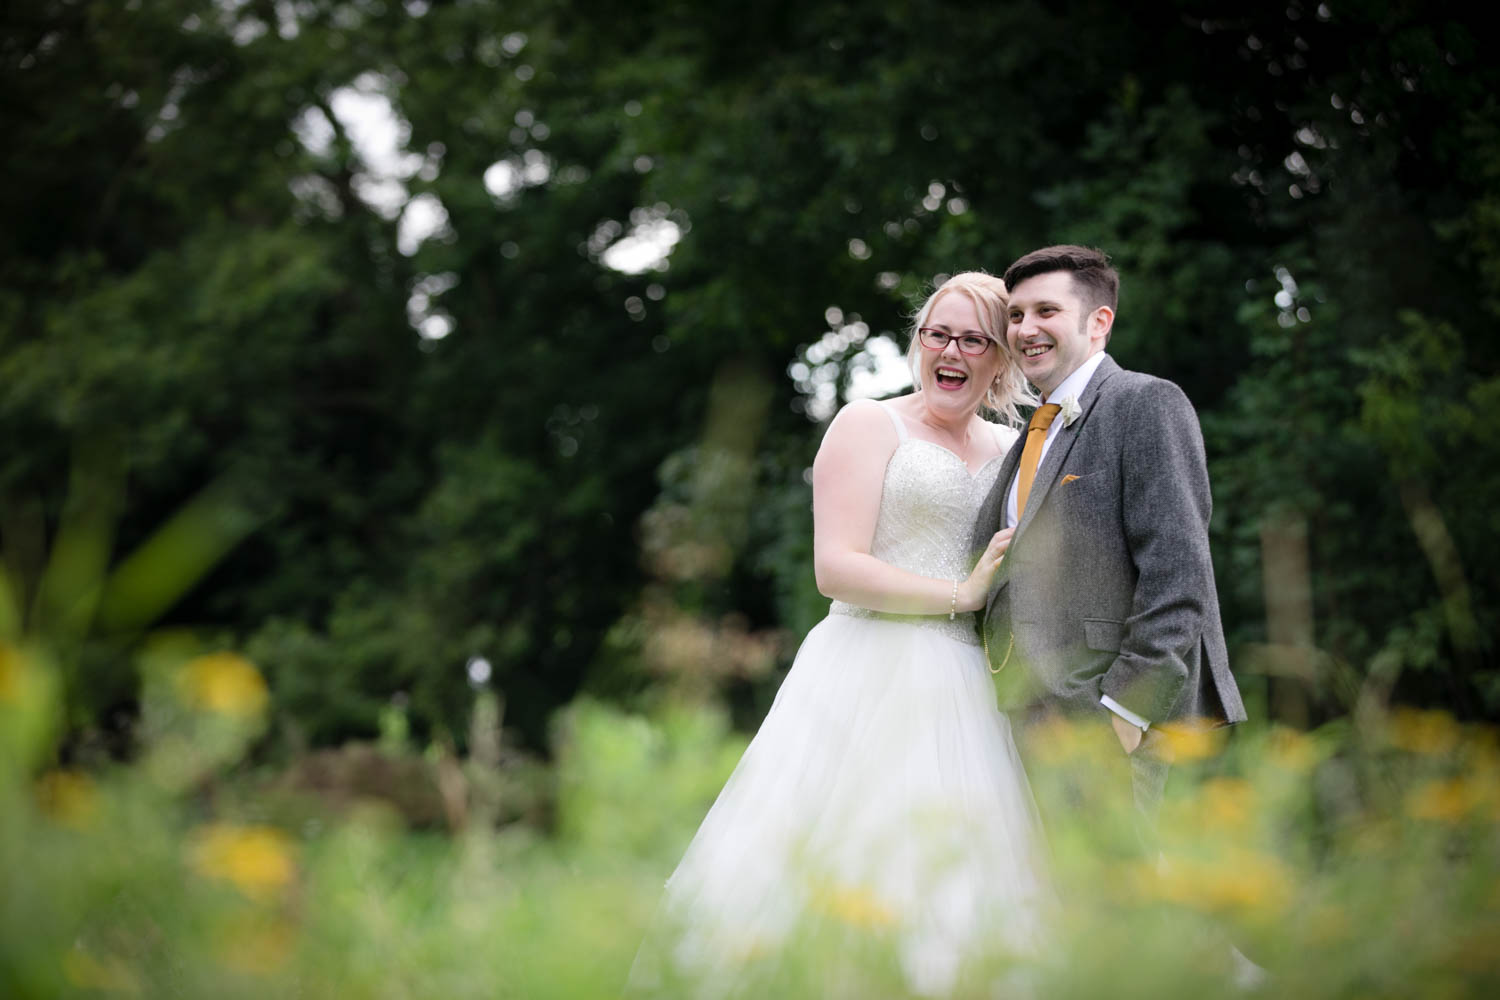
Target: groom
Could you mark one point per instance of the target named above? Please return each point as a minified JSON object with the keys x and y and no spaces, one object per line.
{"x":1105,"y":602}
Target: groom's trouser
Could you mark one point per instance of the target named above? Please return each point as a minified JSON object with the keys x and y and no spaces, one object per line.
{"x":1076,"y":761}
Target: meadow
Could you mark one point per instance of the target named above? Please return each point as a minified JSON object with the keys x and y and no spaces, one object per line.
{"x":1360,"y":859}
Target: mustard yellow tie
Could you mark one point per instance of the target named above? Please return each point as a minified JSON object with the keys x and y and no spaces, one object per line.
{"x":1036,"y":436}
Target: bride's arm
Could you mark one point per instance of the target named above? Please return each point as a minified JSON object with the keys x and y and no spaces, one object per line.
{"x":848,"y":476}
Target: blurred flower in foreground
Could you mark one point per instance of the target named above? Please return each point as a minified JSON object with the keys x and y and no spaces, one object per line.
{"x":1234,"y":880}
{"x":1291,"y":750}
{"x":853,"y":906}
{"x":1447,"y":801}
{"x":256,"y":945}
{"x":753,"y":951}
{"x":1223,"y":804}
{"x":1475,"y":952}
{"x":1056,"y":740}
{"x":1328,"y":924}
{"x":29,"y":706}
{"x":223,"y":682}
{"x":10,"y":674}
{"x":107,"y":975}
{"x":1192,"y":739}
{"x":68,"y":798}
{"x":257,"y":859}
{"x":1428,"y":732}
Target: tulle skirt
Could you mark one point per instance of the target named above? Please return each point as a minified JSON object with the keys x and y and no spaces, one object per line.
{"x":883,"y":793}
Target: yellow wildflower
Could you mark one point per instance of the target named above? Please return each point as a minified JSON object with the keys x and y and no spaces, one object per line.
{"x":1484,"y":757}
{"x":1192,"y":739}
{"x":256,"y":859}
{"x":1474,"y":951}
{"x":1446,"y":801}
{"x":1291,"y":750}
{"x":1056,"y":739}
{"x":223,"y":682}
{"x":1427,"y":732}
{"x":1237,"y":880}
{"x":256,"y":946}
{"x":1374,"y":838}
{"x":68,"y":798}
{"x":1328,"y":924}
{"x":1224,"y":803}
{"x":854,"y":906}
{"x":752,"y":950}
{"x":108,"y":975}
{"x":12,"y":667}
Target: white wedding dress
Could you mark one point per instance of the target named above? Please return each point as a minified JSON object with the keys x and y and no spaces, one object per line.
{"x":883,"y":789}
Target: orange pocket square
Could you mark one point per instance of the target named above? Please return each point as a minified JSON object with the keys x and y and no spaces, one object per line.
{"x":1068,"y":479}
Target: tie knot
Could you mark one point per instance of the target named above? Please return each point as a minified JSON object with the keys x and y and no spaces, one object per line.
{"x":1042,"y":418}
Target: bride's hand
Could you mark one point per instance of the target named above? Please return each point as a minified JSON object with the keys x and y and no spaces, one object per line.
{"x":973,"y":591}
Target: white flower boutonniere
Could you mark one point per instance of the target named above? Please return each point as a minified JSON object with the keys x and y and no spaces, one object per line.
{"x":1070,"y":411}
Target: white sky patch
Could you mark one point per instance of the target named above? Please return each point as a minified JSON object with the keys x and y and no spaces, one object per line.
{"x":424,"y":218}
{"x":430,"y":322}
{"x":878,"y":371}
{"x":653,"y":232}
{"x":286,"y":19}
{"x":1290,"y":310}
{"x":379,"y":137}
{"x":876,"y":365}
{"x":313,"y":129}
{"x":243,"y":29}
{"x":317,"y":196}
{"x":504,"y":179}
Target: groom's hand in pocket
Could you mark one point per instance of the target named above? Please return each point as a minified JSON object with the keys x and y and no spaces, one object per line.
{"x":1130,"y":736}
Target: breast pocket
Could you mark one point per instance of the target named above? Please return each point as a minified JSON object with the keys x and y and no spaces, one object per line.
{"x":1087,"y":503}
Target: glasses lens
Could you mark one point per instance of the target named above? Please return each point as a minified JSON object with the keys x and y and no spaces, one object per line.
{"x":974,"y":345}
{"x":933,"y":340}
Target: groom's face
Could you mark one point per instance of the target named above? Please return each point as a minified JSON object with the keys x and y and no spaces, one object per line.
{"x":1050,"y":330}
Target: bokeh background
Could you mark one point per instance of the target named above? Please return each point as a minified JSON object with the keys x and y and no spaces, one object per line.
{"x":407,"y":410}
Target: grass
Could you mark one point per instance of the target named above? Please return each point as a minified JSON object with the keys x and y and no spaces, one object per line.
{"x":1351,"y":861}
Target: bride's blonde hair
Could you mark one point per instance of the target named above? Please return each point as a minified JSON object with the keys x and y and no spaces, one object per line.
{"x":991,"y":301}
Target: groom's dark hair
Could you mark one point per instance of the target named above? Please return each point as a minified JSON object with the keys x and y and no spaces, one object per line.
{"x":1095,"y":281}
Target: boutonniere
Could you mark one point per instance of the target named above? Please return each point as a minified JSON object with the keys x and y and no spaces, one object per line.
{"x":1070,"y":411}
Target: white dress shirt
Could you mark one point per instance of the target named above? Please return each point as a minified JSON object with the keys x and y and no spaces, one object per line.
{"x":1073,"y":385}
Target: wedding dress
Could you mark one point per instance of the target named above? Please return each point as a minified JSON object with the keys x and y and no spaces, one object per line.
{"x":883,"y":791}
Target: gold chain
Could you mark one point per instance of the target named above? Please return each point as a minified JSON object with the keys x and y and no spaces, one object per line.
{"x":984,"y":636}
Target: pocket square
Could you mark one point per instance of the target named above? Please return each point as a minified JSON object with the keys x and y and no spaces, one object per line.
{"x":1068,"y":479}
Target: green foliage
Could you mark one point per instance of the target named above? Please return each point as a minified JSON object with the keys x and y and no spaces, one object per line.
{"x":623,"y":780}
{"x":1346,"y":861}
{"x":200,"y":284}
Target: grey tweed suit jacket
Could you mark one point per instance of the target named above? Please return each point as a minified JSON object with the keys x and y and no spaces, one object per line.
{"x":1108,"y":587}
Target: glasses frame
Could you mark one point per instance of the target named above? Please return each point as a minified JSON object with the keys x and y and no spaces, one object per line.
{"x":954,"y":338}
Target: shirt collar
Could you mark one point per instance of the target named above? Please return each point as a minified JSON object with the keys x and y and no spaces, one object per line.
{"x":1075,"y":383}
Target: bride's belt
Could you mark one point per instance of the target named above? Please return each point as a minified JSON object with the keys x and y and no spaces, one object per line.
{"x":960,"y":629}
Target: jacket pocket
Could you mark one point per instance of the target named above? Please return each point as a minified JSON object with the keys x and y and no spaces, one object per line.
{"x":1103,"y":634}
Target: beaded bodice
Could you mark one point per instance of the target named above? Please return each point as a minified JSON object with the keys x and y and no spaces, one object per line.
{"x":928,"y":504}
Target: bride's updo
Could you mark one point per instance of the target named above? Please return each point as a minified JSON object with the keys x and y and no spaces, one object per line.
{"x":992,"y":302}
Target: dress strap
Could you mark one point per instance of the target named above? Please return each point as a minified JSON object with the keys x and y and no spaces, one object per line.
{"x":890,"y":411}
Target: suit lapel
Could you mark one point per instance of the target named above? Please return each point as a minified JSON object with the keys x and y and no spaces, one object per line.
{"x":1003,"y":482}
{"x":1057,"y":454}
{"x":1008,"y":471}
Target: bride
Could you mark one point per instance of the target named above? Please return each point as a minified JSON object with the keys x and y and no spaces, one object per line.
{"x":883,"y":795}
